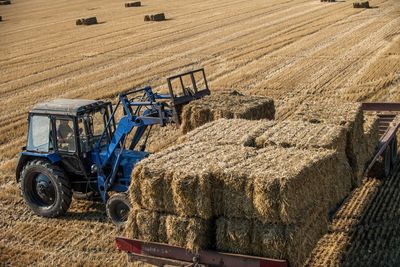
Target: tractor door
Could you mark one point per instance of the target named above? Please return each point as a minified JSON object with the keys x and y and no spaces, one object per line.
{"x":66,"y":133}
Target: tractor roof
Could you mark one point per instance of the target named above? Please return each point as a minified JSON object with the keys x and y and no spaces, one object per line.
{"x":71,"y":107}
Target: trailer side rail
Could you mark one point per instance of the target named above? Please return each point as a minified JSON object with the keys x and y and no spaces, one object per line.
{"x":162,"y":254}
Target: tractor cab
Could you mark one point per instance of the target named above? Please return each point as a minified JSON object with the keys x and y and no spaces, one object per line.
{"x":61,"y":134}
{"x":70,"y":129}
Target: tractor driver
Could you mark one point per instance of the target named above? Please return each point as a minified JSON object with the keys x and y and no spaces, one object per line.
{"x":65,"y":136}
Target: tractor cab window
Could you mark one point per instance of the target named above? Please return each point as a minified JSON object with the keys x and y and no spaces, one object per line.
{"x":93,"y":125}
{"x":39,"y":134}
{"x":65,"y":135}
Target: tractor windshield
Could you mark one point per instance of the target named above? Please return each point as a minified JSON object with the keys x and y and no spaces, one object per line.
{"x":91,"y":127}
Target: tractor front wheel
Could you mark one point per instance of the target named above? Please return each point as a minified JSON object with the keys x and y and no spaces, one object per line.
{"x":117,"y":209}
{"x":45,"y":188}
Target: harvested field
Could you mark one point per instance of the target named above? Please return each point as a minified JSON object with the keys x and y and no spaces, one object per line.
{"x":229,"y":105}
{"x":291,"y":51}
{"x":363,"y":231}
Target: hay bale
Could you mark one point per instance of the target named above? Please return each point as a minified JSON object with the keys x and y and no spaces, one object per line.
{"x":158,"y":17}
{"x":133,"y":4}
{"x":234,"y":235}
{"x":1,"y":18}
{"x":86,"y":21}
{"x":302,"y":134}
{"x":288,"y":182}
{"x":190,"y":233}
{"x":147,"y":18}
{"x":228,"y":131}
{"x":226,"y":105}
{"x":348,"y":115}
{"x":371,"y":133}
{"x":361,"y":5}
{"x":290,"y":242}
{"x":5,"y":2}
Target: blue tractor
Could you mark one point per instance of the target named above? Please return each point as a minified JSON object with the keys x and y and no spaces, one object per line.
{"x":76,"y":147}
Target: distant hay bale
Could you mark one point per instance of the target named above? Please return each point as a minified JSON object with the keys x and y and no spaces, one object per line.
{"x":5,"y":2}
{"x":190,"y":233}
{"x":226,"y":105}
{"x":361,"y":5}
{"x":348,"y":115}
{"x":86,"y":21}
{"x":302,"y":134}
{"x":133,"y":4}
{"x":1,"y":18}
{"x":158,"y":17}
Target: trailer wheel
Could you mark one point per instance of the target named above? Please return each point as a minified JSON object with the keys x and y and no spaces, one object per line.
{"x":45,"y":188}
{"x":387,"y":161}
{"x":393,"y":149}
{"x":117,"y":209}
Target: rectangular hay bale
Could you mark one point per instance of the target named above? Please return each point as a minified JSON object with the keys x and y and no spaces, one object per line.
{"x":347,"y":114}
{"x":189,"y":233}
{"x":303,"y":134}
{"x":227,"y":105}
{"x":290,"y":242}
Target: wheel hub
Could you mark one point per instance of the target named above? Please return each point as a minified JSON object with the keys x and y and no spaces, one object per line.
{"x":44,"y":189}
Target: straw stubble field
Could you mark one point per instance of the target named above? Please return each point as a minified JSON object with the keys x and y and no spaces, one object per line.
{"x":293,"y":51}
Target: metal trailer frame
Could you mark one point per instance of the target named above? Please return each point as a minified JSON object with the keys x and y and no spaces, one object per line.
{"x":389,"y":124}
{"x":162,"y":254}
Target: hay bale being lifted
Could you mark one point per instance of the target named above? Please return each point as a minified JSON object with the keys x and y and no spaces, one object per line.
{"x":229,"y":105}
{"x":133,"y":4}
{"x":87,"y":21}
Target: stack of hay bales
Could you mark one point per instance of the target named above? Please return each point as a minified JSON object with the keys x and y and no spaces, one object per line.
{"x":227,"y":105}
{"x":362,"y":138}
{"x":219,"y":193}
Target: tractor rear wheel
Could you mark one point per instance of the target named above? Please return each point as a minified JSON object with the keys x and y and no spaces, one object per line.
{"x":117,"y":208}
{"x":45,"y":188}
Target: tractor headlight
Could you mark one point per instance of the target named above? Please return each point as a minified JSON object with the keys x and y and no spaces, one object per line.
{"x":93,"y":168}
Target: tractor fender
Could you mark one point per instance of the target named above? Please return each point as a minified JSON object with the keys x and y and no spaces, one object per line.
{"x":25,"y":157}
